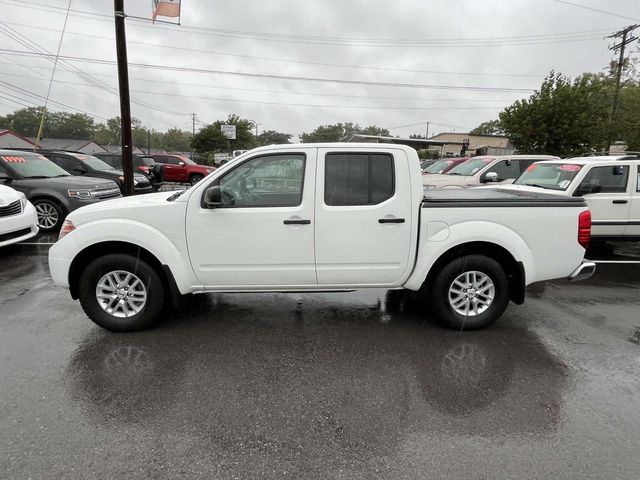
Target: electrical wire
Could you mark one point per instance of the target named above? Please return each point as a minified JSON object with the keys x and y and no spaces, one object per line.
{"x":604,"y":12}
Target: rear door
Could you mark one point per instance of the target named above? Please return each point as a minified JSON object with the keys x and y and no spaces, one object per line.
{"x":363,"y":217}
{"x":633,"y":228}
{"x":606,"y":190}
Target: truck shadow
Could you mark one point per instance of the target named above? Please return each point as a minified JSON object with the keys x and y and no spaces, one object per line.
{"x":285,"y":375}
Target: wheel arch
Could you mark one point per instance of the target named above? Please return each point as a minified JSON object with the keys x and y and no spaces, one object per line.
{"x":96,"y":250}
{"x":514,"y":269}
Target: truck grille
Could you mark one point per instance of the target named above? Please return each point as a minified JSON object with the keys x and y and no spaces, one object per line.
{"x":108,"y":192}
{"x":14,"y":208}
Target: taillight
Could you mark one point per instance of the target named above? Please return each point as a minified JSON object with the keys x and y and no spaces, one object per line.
{"x":584,"y":229}
{"x":67,"y":227}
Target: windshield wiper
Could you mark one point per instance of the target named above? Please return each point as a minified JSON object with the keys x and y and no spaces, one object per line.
{"x":453,"y":173}
{"x":175,"y":195}
{"x":536,"y":185}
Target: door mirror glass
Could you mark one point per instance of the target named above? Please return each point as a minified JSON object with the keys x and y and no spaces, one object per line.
{"x":181,"y":164}
{"x":212,"y":197}
{"x":491,"y":177}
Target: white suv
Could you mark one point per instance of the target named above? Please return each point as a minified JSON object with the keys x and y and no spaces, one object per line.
{"x":483,"y":170}
{"x":18,"y":219}
{"x":609,"y":184}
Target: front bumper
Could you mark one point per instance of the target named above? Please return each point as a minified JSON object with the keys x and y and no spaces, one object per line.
{"x":18,"y":228}
{"x":584,"y":271}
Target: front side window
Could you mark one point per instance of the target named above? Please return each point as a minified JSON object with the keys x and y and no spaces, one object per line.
{"x":92,"y":162}
{"x":358,"y":178}
{"x":267,"y":181}
{"x":605,"y":180}
{"x":506,"y":169}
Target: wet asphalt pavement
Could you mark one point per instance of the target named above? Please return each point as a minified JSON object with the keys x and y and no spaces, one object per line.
{"x":353,"y":385}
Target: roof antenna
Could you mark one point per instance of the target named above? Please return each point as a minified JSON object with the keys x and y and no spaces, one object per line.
{"x":53,"y":72}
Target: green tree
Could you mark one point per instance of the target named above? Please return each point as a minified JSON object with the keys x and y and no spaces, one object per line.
{"x":271,"y":137}
{"x":563,"y":118}
{"x":492,"y":127}
{"x":340,"y":132}
{"x":211,"y":139}
{"x":26,"y":121}
{"x":77,"y":126}
{"x":176,"y":140}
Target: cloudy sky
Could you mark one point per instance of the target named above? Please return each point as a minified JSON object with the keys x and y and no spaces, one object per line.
{"x":463,"y":60}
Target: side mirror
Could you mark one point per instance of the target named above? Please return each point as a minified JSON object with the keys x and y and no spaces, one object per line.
{"x":619,"y":170}
{"x":491,"y":177}
{"x":4,"y":177}
{"x":181,"y":164}
{"x":508,"y":163}
{"x":212,"y":197}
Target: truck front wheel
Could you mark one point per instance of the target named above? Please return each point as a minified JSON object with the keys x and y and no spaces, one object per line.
{"x":470,"y":293}
{"x":121,"y":293}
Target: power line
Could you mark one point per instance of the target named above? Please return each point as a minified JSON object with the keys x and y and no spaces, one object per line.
{"x":604,"y":12}
{"x":532,"y":39}
{"x":285,"y":77}
{"x":285,"y":60}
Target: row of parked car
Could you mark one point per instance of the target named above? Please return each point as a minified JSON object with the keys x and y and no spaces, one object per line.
{"x":38,"y":189}
{"x":609,"y":184}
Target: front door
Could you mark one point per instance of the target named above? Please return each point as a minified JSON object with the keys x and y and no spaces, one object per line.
{"x":363,"y":217}
{"x":606,"y":191}
{"x":633,"y":228}
{"x":262,"y":236}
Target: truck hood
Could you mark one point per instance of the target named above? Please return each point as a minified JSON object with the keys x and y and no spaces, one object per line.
{"x":439,"y":180}
{"x":528,"y":188}
{"x":124,"y":207}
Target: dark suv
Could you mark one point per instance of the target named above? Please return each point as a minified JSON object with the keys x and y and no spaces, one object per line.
{"x":52,"y":190}
{"x":81,"y":164}
{"x":141,"y":164}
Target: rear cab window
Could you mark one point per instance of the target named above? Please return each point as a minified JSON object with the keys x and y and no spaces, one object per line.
{"x":358,"y":178}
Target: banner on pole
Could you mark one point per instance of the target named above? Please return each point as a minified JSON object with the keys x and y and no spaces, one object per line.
{"x":165,"y":8}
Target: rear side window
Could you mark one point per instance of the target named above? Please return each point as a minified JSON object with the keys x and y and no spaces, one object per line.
{"x":358,"y":178}
{"x":605,"y":180}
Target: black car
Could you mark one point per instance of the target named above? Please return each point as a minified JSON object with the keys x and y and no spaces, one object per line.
{"x":81,"y":164}
{"x":141,"y":164}
{"x":52,"y":190}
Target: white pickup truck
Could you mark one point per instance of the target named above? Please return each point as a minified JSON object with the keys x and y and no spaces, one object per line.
{"x":609,"y":184}
{"x":324,"y":217}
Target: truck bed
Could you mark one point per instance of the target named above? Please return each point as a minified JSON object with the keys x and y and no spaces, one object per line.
{"x":491,"y":197}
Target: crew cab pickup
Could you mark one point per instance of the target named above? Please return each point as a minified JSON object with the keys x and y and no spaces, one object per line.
{"x":483,"y":170}
{"x":609,"y":184}
{"x":324,"y":217}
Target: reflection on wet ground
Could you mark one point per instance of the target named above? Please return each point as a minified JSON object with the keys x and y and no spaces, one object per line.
{"x":352,"y":385}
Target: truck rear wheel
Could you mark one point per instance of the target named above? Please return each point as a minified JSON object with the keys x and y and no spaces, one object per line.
{"x":470,"y":293}
{"x":121,"y":293}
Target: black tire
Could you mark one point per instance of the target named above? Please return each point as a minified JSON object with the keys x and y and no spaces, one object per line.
{"x":121,"y":262}
{"x":439,"y":293}
{"x":195,"y":178}
{"x":46,"y":210}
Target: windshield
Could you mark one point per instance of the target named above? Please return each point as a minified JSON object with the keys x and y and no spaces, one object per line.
{"x":34,"y":166}
{"x":93,"y":162}
{"x":439,"y":166}
{"x":470,"y":167}
{"x":552,"y":176}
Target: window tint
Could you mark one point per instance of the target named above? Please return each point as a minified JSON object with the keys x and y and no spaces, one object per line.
{"x":67,"y":163}
{"x":506,"y":169}
{"x":605,"y":180}
{"x":358,"y":178}
{"x":267,"y":181}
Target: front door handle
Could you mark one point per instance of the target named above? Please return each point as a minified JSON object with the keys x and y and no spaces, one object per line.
{"x":297,"y":222}
{"x":620,"y":202}
{"x":391,"y":220}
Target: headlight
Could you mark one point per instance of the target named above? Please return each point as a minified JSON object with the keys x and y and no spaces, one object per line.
{"x":23,"y":199}
{"x":67,"y":227}
{"x":135,"y":181}
{"x":79,"y":193}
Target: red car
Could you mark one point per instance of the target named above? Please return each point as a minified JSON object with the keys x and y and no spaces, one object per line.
{"x":178,"y":168}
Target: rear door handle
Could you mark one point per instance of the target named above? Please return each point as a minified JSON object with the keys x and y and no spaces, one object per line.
{"x":391,"y":220}
{"x":620,"y":202}
{"x":297,"y":222}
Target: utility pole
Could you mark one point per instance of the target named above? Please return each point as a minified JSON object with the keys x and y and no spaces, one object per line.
{"x":148,"y":142}
{"x":427,"y":137}
{"x":193,"y":134}
{"x":125,"y":104}
{"x":626,"y":38}
{"x":257,"y":125}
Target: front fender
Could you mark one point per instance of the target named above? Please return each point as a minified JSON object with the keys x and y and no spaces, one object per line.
{"x":168,"y":251}
{"x":436,"y":238}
